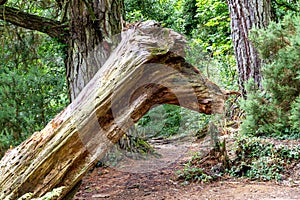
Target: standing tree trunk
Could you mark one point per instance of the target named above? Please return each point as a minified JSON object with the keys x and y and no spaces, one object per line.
{"x":245,"y":15}
{"x":94,"y":25}
{"x":87,"y":27}
{"x":147,"y":68}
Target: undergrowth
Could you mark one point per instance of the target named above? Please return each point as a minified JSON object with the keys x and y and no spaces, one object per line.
{"x":132,"y":144}
{"x":258,"y":159}
{"x":205,"y":168}
{"x":255,"y":158}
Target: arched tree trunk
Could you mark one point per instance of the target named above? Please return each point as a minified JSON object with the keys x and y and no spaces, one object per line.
{"x":93,"y":26}
{"x":147,"y":68}
{"x":245,"y":15}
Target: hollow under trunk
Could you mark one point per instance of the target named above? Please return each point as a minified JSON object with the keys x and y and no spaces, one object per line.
{"x":147,"y":68}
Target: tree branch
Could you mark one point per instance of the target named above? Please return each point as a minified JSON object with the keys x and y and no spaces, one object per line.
{"x":2,"y":2}
{"x":289,"y":6}
{"x":54,"y":29}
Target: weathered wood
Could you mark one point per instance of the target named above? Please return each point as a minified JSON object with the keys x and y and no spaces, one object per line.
{"x":147,"y":68}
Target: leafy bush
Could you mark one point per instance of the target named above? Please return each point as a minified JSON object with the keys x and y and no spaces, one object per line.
{"x":295,"y":114}
{"x":275,"y":111}
{"x":167,"y":12}
{"x":210,"y":47}
{"x":213,"y":27}
{"x":193,"y":173}
{"x":259,"y":159}
{"x":32,"y":85}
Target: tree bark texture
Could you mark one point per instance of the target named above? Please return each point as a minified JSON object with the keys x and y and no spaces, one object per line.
{"x":245,"y":15}
{"x":91,"y":23}
{"x":146,"y":68}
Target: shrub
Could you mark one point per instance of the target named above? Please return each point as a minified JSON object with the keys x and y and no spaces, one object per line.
{"x":275,"y":111}
{"x":260,"y":159}
{"x":32,"y":86}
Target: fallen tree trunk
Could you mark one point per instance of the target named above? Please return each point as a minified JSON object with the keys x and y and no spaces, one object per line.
{"x":146,"y":69}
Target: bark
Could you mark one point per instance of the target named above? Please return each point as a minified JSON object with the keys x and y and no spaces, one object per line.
{"x":147,"y":68}
{"x":245,"y":15}
{"x":91,"y":24}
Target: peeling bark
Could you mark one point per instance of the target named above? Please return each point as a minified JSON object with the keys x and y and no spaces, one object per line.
{"x":147,"y":68}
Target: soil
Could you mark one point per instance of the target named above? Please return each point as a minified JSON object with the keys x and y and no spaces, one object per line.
{"x":155,"y":178}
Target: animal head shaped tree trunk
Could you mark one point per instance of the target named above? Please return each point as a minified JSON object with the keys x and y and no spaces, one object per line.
{"x":147,"y":68}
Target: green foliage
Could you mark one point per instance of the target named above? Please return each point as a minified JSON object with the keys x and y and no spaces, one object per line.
{"x":213,"y":28}
{"x":165,"y":11}
{"x":32,"y":85}
{"x":282,"y":7}
{"x":133,"y":142}
{"x":275,"y":111}
{"x":168,"y":120}
{"x":210,"y":47}
{"x":191,"y":173}
{"x":295,"y":115}
{"x":50,"y":9}
{"x":206,"y":168}
{"x":206,"y":25}
{"x":172,"y":120}
{"x":259,"y":159}
{"x":206,"y":21}
{"x":189,"y":11}
{"x":164,"y":120}
{"x":220,"y":69}
{"x":54,"y":194}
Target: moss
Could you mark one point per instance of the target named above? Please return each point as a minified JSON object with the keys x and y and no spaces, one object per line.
{"x":158,"y":50}
{"x":48,"y":196}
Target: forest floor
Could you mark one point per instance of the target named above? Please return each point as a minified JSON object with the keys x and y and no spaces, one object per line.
{"x":155,"y":178}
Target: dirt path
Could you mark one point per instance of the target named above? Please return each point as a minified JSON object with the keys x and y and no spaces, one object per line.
{"x":155,"y":179}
